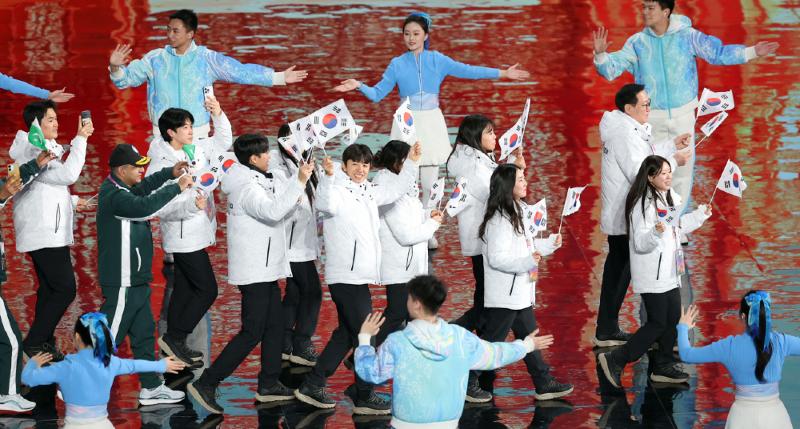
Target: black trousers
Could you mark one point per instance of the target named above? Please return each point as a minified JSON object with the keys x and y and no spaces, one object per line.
{"x":194,"y":292}
{"x":616,"y":278}
{"x":496,"y":324}
{"x":471,"y":320}
{"x":56,"y":291}
{"x":396,"y":312}
{"x":353,"y":305}
{"x":301,"y":304}
{"x":262,"y":322}
{"x":663,"y":313}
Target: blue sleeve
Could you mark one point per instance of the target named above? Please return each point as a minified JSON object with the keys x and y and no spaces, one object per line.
{"x":33,"y":375}
{"x":19,"y":87}
{"x":228,"y":69}
{"x":714,"y":52}
{"x":484,"y":355}
{"x":131,"y":366}
{"x":135,"y":73}
{"x":384,"y":87}
{"x":375,"y":367}
{"x":466,"y":71}
{"x":791,"y":345}
{"x":618,"y":62}
{"x":718,"y":351}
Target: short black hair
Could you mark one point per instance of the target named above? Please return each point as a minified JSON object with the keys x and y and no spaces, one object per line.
{"x":391,"y":156}
{"x":37,"y":110}
{"x":357,"y":152}
{"x":428,"y":290}
{"x":627,"y":95}
{"x":665,"y":4}
{"x":172,"y":119}
{"x":247,"y":145}
{"x":188,"y":17}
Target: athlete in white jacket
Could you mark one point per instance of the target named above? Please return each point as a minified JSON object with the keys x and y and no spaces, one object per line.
{"x":626,"y":139}
{"x":349,"y":206}
{"x":405,"y":230}
{"x":511,"y":256}
{"x":657,"y":265}
{"x":258,"y":206}
{"x":43,"y":222}
{"x":188,"y":224}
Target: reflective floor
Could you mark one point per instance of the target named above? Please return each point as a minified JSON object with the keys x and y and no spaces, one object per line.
{"x":748,"y":243}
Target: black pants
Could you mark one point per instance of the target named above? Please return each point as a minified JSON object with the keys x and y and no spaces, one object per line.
{"x":471,"y":320}
{"x":496,"y":324}
{"x":616,"y":278}
{"x":301,"y":304}
{"x":56,"y":291}
{"x":353,"y":305}
{"x":262,"y":322}
{"x":194,"y":291}
{"x":663,"y":313}
{"x":396,"y":312}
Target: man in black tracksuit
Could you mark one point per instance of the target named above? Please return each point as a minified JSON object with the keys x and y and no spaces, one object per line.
{"x":125,"y":248}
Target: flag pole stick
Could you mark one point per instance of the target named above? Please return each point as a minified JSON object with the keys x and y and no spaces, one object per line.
{"x":561,"y":223}
{"x":701,"y":141}
{"x":310,"y":154}
{"x":712,"y":195}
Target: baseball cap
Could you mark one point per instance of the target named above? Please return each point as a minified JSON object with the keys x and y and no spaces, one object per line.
{"x":126,"y":154}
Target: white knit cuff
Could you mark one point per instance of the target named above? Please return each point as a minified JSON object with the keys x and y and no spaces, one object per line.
{"x":363,"y":339}
{"x":278,"y":79}
{"x":529,"y":345}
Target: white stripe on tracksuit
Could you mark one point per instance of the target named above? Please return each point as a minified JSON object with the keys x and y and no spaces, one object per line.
{"x":125,"y":276}
{"x":12,"y":339}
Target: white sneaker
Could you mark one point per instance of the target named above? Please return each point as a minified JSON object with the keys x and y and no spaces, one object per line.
{"x":433,"y":243}
{"x":160,"y":395}
{"x":15,"y":403}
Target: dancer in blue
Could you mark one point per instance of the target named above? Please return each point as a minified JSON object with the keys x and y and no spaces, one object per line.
{"x":418,"y":75}
{"x":754,"y":359}
{"x":178,"y":73}
{"x":19,"y":87}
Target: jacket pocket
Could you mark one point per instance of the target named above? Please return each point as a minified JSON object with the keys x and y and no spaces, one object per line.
{"x":658,"y":269}
{"x":514,"y":280}
{"x":409,"y":257}
{"x":269,"y":247}
{"x":138,"y":260}
{"x":291,"y":234}
{"x":58,"y":217}
{"x":355,"y":248}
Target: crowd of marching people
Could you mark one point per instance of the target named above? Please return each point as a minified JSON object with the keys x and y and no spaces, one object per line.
{"x":380,"y":213}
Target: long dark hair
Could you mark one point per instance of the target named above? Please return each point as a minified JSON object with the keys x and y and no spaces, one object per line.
{"x":311,"y":184}
{"x":759,"y":327}
{"x":641,"y":188}
{"x":103,"y":344}
{"x":391,"y":156}
{"x":501,"y":199}
{"x":470,"y":133}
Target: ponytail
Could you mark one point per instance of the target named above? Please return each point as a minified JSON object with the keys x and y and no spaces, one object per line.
{"x":94,"y":331}
{"x":755,"y":306}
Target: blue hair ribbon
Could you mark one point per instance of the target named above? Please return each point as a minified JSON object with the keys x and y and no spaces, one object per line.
{"x":429,"y":21}
{"x":754,"y":300}
{"x":95,"y":322}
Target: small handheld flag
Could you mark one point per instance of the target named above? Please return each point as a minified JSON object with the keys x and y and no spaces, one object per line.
{"x":713,"y":102}
{"x":711,"y":126}
{"x":512,"y":139}
{"x":669,"y":215}
{"x":731,"y":181}
{"x":289,"y":144}
{"x":436,"y":193}
{"x":571,"y":204}
{"x":352,"y":135}
{"x":404,"y":119}
{"x":459,"y":199}
{"x":539,"y":215}
{"x":330,"y":121}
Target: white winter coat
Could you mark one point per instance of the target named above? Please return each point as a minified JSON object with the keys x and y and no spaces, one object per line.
{"x":301,"y":226}
{"x":626,"y":143}
{"x":477,"y":167}
{"x":43,"y":209}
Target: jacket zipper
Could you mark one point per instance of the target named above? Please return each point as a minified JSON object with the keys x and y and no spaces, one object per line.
{"x":269,"y":246}
{"x":58,"y":217}
{"x":138,"y":260}
{"x":181,"y":228}
{"x":664,"y":75}
{"x":514,"y":280}
{"x":355,"y":247}
{"x":409,"y":257}
{"x":291,"y":234}
{"x":658,"y":272}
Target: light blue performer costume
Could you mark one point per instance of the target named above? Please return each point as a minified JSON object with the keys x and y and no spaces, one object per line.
{"x":420,"y":79}
{"x":85,"y":380}
{"x":757,"y":403}
{"x":429,"y":364}
{"x":19,"y":87}
{"x":178,"y":80}
{"x":667,"y":67}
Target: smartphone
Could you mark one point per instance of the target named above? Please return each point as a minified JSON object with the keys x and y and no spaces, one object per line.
{"x":12,"y":170}
{"x":208,"y":91}
{"x":86,"y":115}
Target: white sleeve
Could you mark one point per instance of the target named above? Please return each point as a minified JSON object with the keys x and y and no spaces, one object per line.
{"x":66,"y":173}
{"x":327,"y":199}
{"x":645,"y":236}
{"x":406,"y":227}
{"x":499,"y":234}
{"x":257,"y":203}
{"x":180,"y":207}
{"x":691,"y":221}
{"x":397,"y":185}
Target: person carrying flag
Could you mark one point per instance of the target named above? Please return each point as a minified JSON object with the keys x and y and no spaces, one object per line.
{"x":662,"y":58}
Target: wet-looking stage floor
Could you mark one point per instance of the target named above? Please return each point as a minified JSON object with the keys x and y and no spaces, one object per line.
{"x":747,"y":243}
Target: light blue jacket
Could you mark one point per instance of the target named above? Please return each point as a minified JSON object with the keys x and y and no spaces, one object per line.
{"x":666,"y":64}
{"x":430,"y":365}
{"x":405,"y":72}
{"x":19,"y":87}
{"x":177,"y":80}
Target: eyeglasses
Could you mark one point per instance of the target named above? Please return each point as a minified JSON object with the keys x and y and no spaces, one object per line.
{"x":646,"y":105}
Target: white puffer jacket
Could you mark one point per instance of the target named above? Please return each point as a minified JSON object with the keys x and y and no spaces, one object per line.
{"x":653,"y":264}
{"x":43,"y":209}
{"x":477,"y":167}
{"x":405,"y":230}
{"x":185,"y":231}
{"x":626,"y":143}
{"x":351,"y":222}
{"x":507,"y":261}
{"x":301,"y":226}
{"x":258,"y":207}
